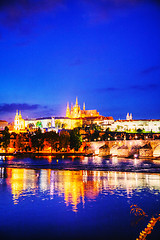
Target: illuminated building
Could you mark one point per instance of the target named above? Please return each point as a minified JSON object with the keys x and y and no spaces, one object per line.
{"x":19,"y":123}
{"x":75,"y":117}
{"x":76,"y":112}
{"x":43,"y":123}
{"x":129,"y":116}
{"x":147,"y":125}
{"x":3,"y":124}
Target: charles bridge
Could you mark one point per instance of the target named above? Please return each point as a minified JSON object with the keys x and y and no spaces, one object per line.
{"x":126,"y":148}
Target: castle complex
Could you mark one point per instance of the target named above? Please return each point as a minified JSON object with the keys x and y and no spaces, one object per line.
{"x":75,"y":117}
{"x":76,"y":112}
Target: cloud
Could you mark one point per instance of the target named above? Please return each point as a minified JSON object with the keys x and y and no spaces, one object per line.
{"x":21,"y":14}
{"x":99,"y":11}
{"x":150,"y":69}
{"x":144,"y":87}
{"x":30,"y":5}
{"x":5,"y":107}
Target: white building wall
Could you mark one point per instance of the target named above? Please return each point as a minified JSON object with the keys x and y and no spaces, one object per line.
{"x":147,"y":125}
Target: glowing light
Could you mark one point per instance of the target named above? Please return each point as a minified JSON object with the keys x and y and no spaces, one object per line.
{"x":97,"y":151}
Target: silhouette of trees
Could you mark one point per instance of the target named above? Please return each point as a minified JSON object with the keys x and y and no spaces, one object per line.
{"x":39,"y":124}
{"x":5,"y":138}
{"x":19,"y":144}
{"x":75,"y":139}
{"x":52,"y":139}
{"x":37,"y":140}
{"x":64,"y":140}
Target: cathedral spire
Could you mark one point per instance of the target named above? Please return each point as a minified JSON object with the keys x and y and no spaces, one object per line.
{"x":16,"y":112}
{"x":68,"y":110}
{"x":127,"y":117}
{"x":84,"y":108}
{"x":76,"y":101}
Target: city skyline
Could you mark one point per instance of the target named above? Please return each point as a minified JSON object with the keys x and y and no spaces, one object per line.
{"x":104,"y":52}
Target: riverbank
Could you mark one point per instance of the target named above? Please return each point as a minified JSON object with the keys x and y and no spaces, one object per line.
{"x":72,"y":154}
{"x":56,"y":154}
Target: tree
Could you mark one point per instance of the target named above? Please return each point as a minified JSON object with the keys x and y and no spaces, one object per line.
{"x":106,"y":134}
{"x":139,"y":130}
{"x":31,"y":126}
{"x":58,"y":123}
{"x":39,"y":124}
{"x":95,"y":135}
{"x":5,"y":138}
{"x":64,"y":125}
{"x":19,"y":142}
{"x":64,"y":138}
{"x":37,"y":140}
{"x":52,"y":138}
{"x":75,"y":139}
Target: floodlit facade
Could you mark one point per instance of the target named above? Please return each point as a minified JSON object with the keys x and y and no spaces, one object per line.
{"x":3,"y":124}
{"x":75,"y":117}
{"x":76,"y":112}
{"x":48,"y":122}
{"x":19,"y":123}
{"x":133,"y":125}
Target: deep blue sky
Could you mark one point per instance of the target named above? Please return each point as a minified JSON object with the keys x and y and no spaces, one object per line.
{"x":106,"y":52}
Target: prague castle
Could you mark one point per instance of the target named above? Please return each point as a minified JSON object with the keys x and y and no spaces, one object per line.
{"x":75,"y":117}
{"x":76,"y":112}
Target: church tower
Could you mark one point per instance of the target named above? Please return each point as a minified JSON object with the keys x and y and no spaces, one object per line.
{"x":76,"y":109}
{"x":71,"y":109}
{"x":127,"y":117}
{"x":19,"y":123}
{"x":68,"y":110}
{"x":84,"y":107}
{"x":76,"y":101}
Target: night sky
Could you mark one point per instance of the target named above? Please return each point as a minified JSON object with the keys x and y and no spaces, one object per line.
{"x":105,"y":52}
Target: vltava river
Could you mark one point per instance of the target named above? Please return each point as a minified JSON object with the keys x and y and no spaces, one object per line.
{"x":43,"y":203}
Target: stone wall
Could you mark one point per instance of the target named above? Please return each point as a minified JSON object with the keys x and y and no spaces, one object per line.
{"x":144,"y":152}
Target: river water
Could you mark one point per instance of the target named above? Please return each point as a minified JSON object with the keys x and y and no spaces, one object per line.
{"x":77,"y":198}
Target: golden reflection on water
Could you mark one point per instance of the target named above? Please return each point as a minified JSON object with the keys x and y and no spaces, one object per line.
{"x":76,"y":186}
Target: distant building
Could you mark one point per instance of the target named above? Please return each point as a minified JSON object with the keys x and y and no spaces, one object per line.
{"x":19,"y":123}
{"x":75,"y":117}
{"x":148,"y":125}
{"x":45,"y":123}
{"x":3,"y":124}
{"x":76,"y":112}
{"x":129,"y":116}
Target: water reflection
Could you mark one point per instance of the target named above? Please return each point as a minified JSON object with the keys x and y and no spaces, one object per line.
{"x":74,"y":187}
